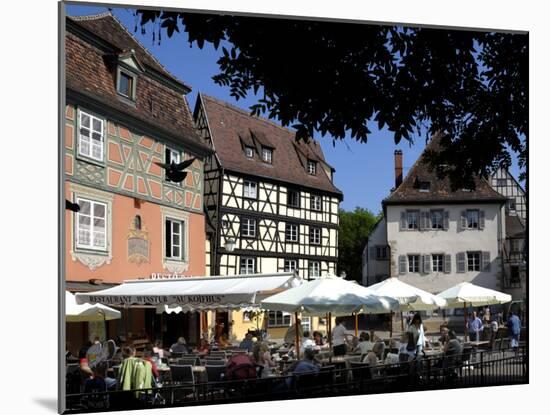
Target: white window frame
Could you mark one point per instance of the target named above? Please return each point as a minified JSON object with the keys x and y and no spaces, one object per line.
{"x":315,"y":202}
{"x":91,"y":131}
{"x":413,"y":214}
{"x":306,"y":324}
{"x":181,"y":245}
{"x":440,"y":215}
{"x":314,"y":269}
{"x":292,"y":232}
{"x":278,"y":319}
{"x":470,"y":224}
{"x":471,"y":263}
{"x":413,"y":263}
{"x":248,"y":152}
{"x":244,"y":269}
{"x":250,"y":189}
{"x":267,"y":155}
{"x":314,"y":235}
{"x":175,"y":156}
{"x":312,"y":167}
{"x":130,"y":75}
{"x":438,"y":262}
{"x":91,"y":245}
{"x":248,"y":228}
{"x":291,"y":265}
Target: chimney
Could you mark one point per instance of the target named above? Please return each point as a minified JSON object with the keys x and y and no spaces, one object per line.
{"x":398,"y":157}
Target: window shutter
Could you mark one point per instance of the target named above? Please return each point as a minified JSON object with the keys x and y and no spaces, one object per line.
{"x":167,"y":155}
{"x":168,"y":238}
{"x":429,"y":220}
{"x":372,"y":253}
{"x":403,"y":221}
{"x":481,"y":219}
{"x":463,"y":220}
{"x":402,"y":264}
{"x":447,"y":266}
{"x":486,"y":261}
{"x":422,"y":220}
{"x":446,"y":220}
{"x":461,"y":262}
{"x":427,"y":264}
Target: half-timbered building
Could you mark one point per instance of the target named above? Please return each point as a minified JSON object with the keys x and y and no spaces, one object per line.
{"x":124,"y":113}
{"x":270,"y":201}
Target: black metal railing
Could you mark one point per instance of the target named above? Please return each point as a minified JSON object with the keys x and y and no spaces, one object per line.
{"x":477,"y":368}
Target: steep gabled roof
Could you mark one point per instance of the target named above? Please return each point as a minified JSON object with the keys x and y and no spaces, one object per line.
{"x":91,"y":78}
{"x":232,"y":127}
{"x":439,"y":189}
{"x":111,"y":30}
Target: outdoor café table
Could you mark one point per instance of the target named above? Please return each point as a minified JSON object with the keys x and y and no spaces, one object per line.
{"x":480,"y":344}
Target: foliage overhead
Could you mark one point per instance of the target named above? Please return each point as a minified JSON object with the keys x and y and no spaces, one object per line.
{"x":334,"y":78}
{"x":355,"y":227}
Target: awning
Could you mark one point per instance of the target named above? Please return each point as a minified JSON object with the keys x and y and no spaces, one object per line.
{"x":195,"y":293}
{"x":87,"y":312}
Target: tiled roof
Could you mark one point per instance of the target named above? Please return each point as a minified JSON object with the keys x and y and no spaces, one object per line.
{"x":108,"y":27}
{"x":91,"y":71}
{"x":439,"y":189}
{"x":514,"y":227}
{"x":232,"y":128}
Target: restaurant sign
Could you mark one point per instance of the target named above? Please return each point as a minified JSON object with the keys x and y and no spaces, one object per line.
{"x":189,"y":300}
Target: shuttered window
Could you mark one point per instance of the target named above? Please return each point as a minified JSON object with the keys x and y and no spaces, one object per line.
{"x":414,"y":263}
{"x":402,"y":264}
{"x":474,"y":261}
{"x":461,"y":262}
{"x":437,"y":262}
{"x":436,"y":219}
{"x":412,"y":219}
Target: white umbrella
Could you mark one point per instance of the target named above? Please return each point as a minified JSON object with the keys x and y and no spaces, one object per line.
{"x":468,"y":294}
{"x":473,"y":295}
{"x":410,"y":298}
{"x":87,"y":312}
{"x":329,"y":295}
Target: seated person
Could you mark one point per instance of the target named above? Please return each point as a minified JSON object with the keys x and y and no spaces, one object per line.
{"x":223,"y":341}
{"x":452,"y":345}
{"x":365,"y":345}
{"x":261,"y":357}
{"x":159,"y":351}
{"x":100,"y":373}
{"x":148,"y":356}
{"x":318,"y":338}
{"x":84,"y":365}
{"x":204,"y":347}
{"x":180,"y":346}
{"x":379,"y":348}
{"x":306,"y":343}
{"x":444,"y":331}
{"x":247,"y":343}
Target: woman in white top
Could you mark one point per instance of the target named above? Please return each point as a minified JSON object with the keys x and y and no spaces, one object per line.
{"x":416,"y":339}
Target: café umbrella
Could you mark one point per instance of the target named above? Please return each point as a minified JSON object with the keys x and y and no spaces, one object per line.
{"x":75,"y":313}
{"x":410,"y":298}
{"x":468,"y":294}
{"x":330,"y":295}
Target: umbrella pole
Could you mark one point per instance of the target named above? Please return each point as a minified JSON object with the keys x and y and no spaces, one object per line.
{"x":330,"y":337}
{"x":356,"y":324}
{"x":465,"y":324}
{"x":391,"y":324}
{"x":297,"y":335}
{"x":402,"y":323}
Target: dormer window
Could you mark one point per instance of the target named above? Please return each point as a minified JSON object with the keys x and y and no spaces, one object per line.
{"x":424,"y":186}
{"x":267,"y":155}
{"x":312,"y":167}
{"x":127,"y":71}
{"x":126,"y":84}
{"x":249,"y":152}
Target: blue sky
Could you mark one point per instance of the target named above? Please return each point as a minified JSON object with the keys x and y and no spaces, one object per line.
{"x":364,"y":172}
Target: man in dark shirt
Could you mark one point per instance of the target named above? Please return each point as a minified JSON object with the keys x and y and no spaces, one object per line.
{"x":247,"y":343}
{"x":179,"y":347}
